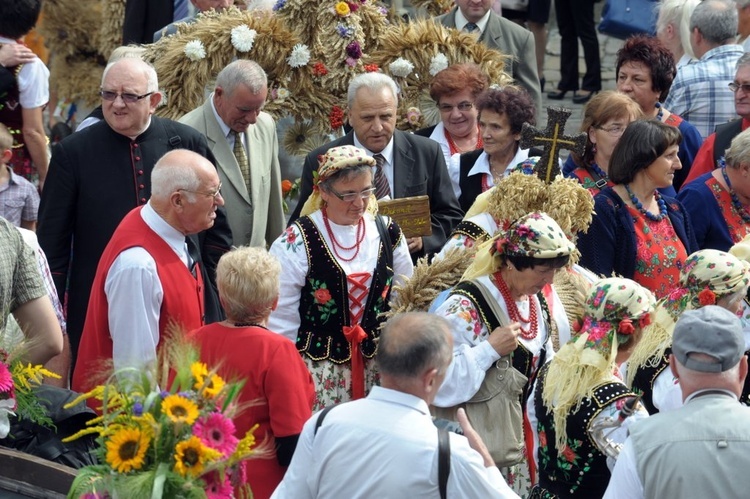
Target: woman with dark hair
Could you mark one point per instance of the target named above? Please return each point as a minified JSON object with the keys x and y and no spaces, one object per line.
{"x":340,"y":261}
{"x":645,"y":70}
{"x":637,"y":232}
{"x":502,"y":113}
{"x":505,"y":311}
{"x":605,"y":118}
{"x":455,"y":90}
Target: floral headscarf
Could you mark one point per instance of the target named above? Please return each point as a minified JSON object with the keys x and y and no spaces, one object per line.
{"x":534,"y":235}
{"x":707,"y":276}
{"x":614,"y":308}
{"x":334,"y":160}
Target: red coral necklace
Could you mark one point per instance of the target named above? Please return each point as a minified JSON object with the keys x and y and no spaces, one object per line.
{"x":514,"y":313}
{"x":360,"y":237}
{"x":454,"y":148}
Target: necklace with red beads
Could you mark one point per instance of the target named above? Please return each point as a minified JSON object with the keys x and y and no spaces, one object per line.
{"x":358,"y":241}
{"x":513,"y":313}
{"x":454,"y":148}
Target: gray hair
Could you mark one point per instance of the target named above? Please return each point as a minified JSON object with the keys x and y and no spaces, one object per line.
{"x":677,"y":13}
{"x":373,"y":82}
{"x":744,"y":60}
{"x":739,"y":150}
{"x":152,"y":81}
{"x":170,"y":175}
{"x":242,"y":72}
{"x":412,"y":343}
{"x":742,"y":3}
{"x":716,"y":20}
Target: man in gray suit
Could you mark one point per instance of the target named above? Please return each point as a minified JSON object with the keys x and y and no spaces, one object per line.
{"x":249,"y":169}
{"x":476,"y":16}
{"x":701,"y":449}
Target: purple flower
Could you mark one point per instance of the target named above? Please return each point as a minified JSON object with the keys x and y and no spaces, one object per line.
{"x":353,"y":50}
{"x":138,"y":409}
{"x":279,"y":5}
{"x":343,"y":30}
{"x":351,"y":62}
{"x":164,"y":394}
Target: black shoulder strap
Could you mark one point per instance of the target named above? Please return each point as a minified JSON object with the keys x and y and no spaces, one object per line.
{"x":385,"y":240}
{"x":724,"y":135}
{"x":444,"y":461}
{"x":322,"y":416}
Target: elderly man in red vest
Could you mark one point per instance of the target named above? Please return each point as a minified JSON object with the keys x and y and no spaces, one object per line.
{"x":147,"y":277}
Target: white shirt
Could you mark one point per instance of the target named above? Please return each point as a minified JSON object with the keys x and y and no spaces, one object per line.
{"x":33,"y":81}
{"x":228,"y":132}
{"x":134,"y":294}
{"x":387,"y":154}
{"x":383,"y":446}
{"x":461,"y":21}
{"x":481,"y":167}
{"x":285,"y":319}
{"x":473,"y":354}
{"x":438,"y":135}
{"x":625,"y":482}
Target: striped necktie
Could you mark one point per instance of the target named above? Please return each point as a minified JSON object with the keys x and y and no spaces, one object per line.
{"x":382,"y":189}
{"x":241,"y":157}
{"x":180,"y":11}
{"x":471,"y":27}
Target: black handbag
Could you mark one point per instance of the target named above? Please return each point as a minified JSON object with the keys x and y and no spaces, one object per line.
{"x":623,"y":18}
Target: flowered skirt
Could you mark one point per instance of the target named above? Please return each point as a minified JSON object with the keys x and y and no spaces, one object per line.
{"x":518,"y":478}
{"x":333,"y":382}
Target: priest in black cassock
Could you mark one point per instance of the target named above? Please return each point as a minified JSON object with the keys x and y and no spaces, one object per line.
{"x":99,"y":174}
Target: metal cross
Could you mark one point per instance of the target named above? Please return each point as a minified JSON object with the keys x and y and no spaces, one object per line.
{"x":552,"y":140}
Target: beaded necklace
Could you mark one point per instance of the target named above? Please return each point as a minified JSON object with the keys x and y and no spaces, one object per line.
{"x":660,"y":112}
{"x":735,"y":199}
{"x":454,"y":148}
{"x":249,"y":324}
{"x":360,"y":237}
{"x":639,"y":206}
{"x":513,"y":313}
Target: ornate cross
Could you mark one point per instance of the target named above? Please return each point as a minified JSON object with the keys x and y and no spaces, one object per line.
{"x":551,"y":140}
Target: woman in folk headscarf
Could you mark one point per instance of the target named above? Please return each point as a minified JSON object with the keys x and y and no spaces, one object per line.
{"x":709,"y":277}
{"x":741,"y":250}
{"x":514,"y":270}
{"x":339,"y":261}
{"x":581,"y":386}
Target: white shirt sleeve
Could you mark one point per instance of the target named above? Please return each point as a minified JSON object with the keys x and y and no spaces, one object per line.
{"x":533,"y":420}
{"x":290,"y":250}
{"x":135,"y":295}
{"x":625,"y":482}
{"x":470,"y":478}
{"x":472,"y":354}
{"x":403,"y":267}
{"x":667,"y":394}
{"x":454,"y":172}
{"x":295,"y":483}
{"x":33,"y":85}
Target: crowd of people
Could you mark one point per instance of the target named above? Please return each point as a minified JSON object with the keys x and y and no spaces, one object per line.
{"x":608,"y":292}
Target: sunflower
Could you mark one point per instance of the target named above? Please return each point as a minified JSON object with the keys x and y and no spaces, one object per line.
{"x":179,"y":409}
{"x":126,"y":449}
{"x":212,"y":386}
{"x":200,"y":371}
{"x":191,"y":456}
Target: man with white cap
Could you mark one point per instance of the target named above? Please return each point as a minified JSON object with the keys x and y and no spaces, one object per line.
{"x":703,"y":448}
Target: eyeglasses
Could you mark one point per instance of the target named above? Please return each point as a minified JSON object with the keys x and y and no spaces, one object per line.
{"x":214,"y":194}
{"x":735,"y":87}
{"x":352,"y":196}
{"x":128,"y":98}
{"x":615,"y":130}
{"x":462,"y":106}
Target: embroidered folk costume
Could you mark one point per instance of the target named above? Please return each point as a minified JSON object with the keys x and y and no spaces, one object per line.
{"x":336,"y":283}
{"x":709,"y":277}
{"x":580,"y":386}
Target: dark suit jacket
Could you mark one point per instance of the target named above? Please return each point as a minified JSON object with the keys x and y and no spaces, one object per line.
{"x":96,"y":177}
{"x":512,"y":40}
{"x":143,"y":18}
{"x":418,"y":169}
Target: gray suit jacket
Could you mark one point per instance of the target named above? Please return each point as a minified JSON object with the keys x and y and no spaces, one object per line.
{"x":257,"y":218}
{"x":514,"y":41}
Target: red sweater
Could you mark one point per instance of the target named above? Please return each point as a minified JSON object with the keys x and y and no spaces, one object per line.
{"x":182,"y":303}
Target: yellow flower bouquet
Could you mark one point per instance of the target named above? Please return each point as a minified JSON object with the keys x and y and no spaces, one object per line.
{"x":170,"y":443}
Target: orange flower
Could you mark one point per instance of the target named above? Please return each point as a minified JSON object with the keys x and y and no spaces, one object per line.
{"x":286,"y":186}
{"x":706,"y":297}
{"x":322,"y":296}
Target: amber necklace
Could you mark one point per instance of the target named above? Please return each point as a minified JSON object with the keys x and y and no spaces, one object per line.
{"x":360,"y":237}
{"x":514,"y":313}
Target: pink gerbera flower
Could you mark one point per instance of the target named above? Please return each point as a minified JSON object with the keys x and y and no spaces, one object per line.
{"x":6,"y":379}
{"x":216,"y":431}
{"x":218,"y":488}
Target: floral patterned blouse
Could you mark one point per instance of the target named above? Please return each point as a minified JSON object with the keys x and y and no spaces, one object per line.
{"x":660,"y":254}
